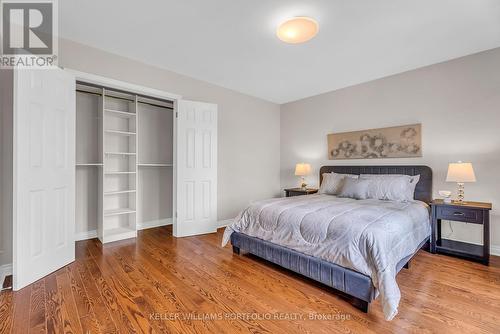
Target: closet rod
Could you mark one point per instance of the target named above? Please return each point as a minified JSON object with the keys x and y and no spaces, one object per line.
{"x":155,"y":105}
{"x":125,"y":92}
{"x":123,"y":98}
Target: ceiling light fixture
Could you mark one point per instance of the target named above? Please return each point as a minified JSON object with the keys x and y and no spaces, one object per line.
{"x":297,"y":30}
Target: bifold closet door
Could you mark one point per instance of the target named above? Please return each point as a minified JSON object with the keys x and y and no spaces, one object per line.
{"x":196,"y":168}
{"x":44,"y":169}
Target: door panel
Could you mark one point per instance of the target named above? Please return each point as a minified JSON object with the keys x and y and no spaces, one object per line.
{"x":44,"y":173}
{"x":196,"y":169}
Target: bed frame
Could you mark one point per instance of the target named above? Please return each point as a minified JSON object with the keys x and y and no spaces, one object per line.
{"x":349,"y":284}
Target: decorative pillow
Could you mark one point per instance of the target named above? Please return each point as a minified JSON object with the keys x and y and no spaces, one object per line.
{"x":332,"y":183}
{"x":355,"y":188}
{"x":392,"y":187}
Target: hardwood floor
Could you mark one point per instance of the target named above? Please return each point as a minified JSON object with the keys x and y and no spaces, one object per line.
{"x":161,"y":284}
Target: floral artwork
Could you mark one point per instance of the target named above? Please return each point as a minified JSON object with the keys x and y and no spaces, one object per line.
{"x":394,"y":142}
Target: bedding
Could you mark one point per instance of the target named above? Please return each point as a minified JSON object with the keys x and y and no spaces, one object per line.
{"x":368,"y":236}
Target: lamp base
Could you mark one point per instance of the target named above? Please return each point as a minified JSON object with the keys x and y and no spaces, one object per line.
{"x":461,"y":193}
{"x":303,"y":184}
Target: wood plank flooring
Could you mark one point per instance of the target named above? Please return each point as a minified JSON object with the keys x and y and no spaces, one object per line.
{"x":160,"y":284}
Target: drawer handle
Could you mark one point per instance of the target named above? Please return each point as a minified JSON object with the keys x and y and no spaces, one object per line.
{"x":459,"y":214}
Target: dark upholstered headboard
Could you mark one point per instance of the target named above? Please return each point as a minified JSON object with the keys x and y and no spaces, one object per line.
{"x":423,"y":191}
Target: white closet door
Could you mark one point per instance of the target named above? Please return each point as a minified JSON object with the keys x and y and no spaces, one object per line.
{"x":44,"y":173}
{"x":196,"y":168}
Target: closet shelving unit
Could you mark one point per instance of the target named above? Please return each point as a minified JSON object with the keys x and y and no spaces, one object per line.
{"x":120,"y":166}
{"x":124,"y":162}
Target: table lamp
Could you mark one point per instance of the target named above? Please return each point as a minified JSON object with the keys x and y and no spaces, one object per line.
{"x":302,"y":170}
{"x":460,"y":172}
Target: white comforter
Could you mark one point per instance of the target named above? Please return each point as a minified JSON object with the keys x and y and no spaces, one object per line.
{"x":368,"y":236}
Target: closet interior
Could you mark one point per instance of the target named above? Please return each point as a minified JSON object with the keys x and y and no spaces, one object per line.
{"x":124,"y":162}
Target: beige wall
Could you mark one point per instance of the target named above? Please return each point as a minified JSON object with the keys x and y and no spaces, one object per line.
{"x":458,"y":104}
{"x":248,"y":129}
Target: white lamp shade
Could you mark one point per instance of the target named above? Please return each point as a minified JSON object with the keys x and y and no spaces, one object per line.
{"x":302,"y":169}
{"x":460,"y":172}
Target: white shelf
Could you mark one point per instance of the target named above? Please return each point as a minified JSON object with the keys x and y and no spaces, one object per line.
{"x":120,"y":153}
{"x":120,"y":133}
{"x":118,"y":173}
{"x":120,"y":113}
{"x":117,"y":212}
{"x":155,"y":165}
{"x":118,"y":233}
{"x":89,"y":165}
{"x":119,"y":192}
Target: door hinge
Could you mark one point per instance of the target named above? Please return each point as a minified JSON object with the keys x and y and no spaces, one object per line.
{"x":176,"y":114}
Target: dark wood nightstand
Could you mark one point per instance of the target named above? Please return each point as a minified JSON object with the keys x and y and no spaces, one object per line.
{"x":299,"y":191}
{"x":468,"y":212}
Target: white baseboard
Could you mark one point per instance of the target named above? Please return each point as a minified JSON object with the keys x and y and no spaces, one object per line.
{"x":142,"y":226}
{"x":495,"y":250}
{"x":5,"y":270}
{"x":154,"y":223}
{"x":86,"y":235}
{"x":224,"y":223}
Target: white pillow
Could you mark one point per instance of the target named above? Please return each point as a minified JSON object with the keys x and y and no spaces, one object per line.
{"x":355,"y":188}
{"x":393,"y":187}
{"x":332,"y":183}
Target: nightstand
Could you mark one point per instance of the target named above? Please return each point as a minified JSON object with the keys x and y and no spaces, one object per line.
{"x":467,"y":212}
{"x":299,"y":191}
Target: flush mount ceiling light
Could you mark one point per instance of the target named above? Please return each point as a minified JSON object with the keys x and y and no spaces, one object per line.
{"x":297,"y":30}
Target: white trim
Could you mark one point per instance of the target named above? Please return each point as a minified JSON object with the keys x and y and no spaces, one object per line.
{"x":495,"y":250}
{"x":122,"y":85}
{"x":5,"y":270}
{"x":140,"y":226}
{"x":85,"y":235}
{"x":463,"y":240}
{"x":224,"y":223}
{"x":154,"y":223}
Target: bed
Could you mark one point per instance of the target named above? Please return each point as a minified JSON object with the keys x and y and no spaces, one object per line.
{"x":354,"y":246}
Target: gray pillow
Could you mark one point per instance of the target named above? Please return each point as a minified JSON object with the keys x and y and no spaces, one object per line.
{"x":332,"y":183}
{"x":355,"y":188}
{"x":392,"y":187}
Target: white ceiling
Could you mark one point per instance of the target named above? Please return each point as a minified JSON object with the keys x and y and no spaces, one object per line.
{"x":232,"y":43}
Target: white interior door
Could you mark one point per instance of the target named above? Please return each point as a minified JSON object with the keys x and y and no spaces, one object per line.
{"x":196,"y":168}
{"x":44,"y":173}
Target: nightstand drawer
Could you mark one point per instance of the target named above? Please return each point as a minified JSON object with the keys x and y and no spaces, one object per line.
{"x":296,"y":193}
{"x":289,"y":192}
{"x":460,"y":214}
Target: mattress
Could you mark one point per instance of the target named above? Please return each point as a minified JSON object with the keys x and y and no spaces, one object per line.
{"x":367,"y":236}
